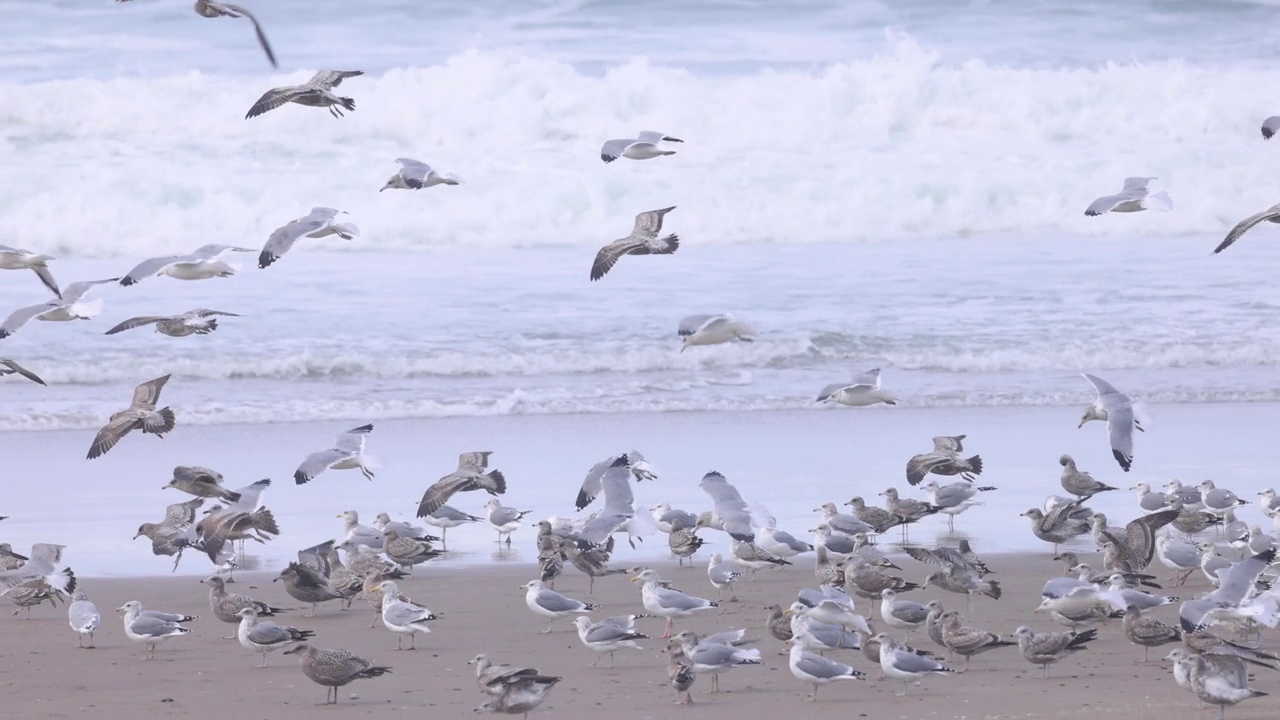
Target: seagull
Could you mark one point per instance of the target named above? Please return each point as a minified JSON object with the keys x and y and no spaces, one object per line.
{"x":11,"y":367}
{"x":316,"y":92}
{"x":1270,"y":126}
{"x":594,"y":482}
{"x":1133,"y":198}
{"x":665,"y":602}
{"x":1271,"y":214}
{"x":944,"y":459}
{"x":84,"y":618}
{"x":730,"y":509}
{"x":347,"y":453}
{"x":712,"y":330}
{"x":900,"y":663}
{"x":642,"y":147}
{"x":643,"y":240}
{"x":503,"y":519}
{"x":1117,"y":409}
{"x":470,"y":475}
{"x":211,"y":9}
{"x":65,"y":308}
{"x":416,"y":175}
{"x":204,"y":263}
{"x":1044,"y":649}
{"x":549,"y":603}
{"x":140,"y":415}
{"x":864,"y":390}
{"x":193,"y":322}
{"x":608,"y":636}
{"x":44,"y":563}
{"x":320,"y":222}
{"x":12,"y":258}
{"x":818,"y":670}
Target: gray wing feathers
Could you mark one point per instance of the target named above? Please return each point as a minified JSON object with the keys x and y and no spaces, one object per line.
{"x":552,"y":601}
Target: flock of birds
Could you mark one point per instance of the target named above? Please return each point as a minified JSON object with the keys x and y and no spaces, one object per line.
{"x":368,"y":561}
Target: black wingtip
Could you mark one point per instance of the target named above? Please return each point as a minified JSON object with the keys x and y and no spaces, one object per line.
{"x":582,"y":501}
{"x":608,"y":158}
{"x":621,"y":461}
{"x":1125,"y":463}
{"x":499,"y":481}
{"x":299,"y":478}
{"x":1267,"y":133}
{"x":127,"y":281}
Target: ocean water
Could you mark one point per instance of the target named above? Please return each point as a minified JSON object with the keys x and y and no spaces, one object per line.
{"x":868,"y":184}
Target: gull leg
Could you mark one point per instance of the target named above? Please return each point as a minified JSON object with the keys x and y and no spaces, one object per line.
{"x":593,"y":662}
{"x":670,"y":626}
{"x":444,"y":535}
{"x":553,"y":622}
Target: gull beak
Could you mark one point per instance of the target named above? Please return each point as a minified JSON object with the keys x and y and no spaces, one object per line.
{"x":1082,"y":422}
{"x":272,"y":579}
{"x":635,"y":579}
{"x":787,"y":611}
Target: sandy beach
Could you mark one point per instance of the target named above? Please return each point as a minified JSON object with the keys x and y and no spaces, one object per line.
{"x":203,"y":675}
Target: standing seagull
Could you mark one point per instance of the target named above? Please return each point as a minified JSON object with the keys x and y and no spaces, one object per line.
{"x":1117,"y":409}
{"x":193,"y":322}
{"x":470,"y":475}
{"x":211,"y":9}
{"x":12,"y":258}
{"x":642,"y":147}
{"x":347,"y":453}
{"x":83,"y":616}
{"x":1271,"y":214}
{"x":712,"y":330}
{"x":864,"y":390}
{"x":503,"y":519}
{"x":643,"y":240}
{"x":334,"y":668}
{"x":11,"y":367}
{"x":416,"y":175}
{"x":316,"y":92}
{"x":1133,"y":198}
{"x":320,"y":222}
{"x":204,"y":263}
{"x":63,"y":309}
{"x":140,"y":415}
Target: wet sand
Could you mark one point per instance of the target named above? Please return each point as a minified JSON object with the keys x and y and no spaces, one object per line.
{"x":202,"y":675}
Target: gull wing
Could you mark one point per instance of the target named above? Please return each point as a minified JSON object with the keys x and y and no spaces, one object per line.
{"x":136,"y":322}
{"x":275,"y":97}
{"x":649,"y":223}
{"x":147,"y":394}
{"x":283,"y":238}
{"x":14,"y":367}
{"x":150,"y":267}
{"x":613,"y":149}
{"x":608,"y":255}
{"x":1272,"y":213}
{"x":694,"y":323}
{"x":328,"y":79}
{"x":352,"y":441}
{"x":412,"y":169}
{"x":257,"y":30}
{"x":77,"y":290}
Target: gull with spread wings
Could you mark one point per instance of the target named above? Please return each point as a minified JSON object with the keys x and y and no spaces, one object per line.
{"x":316,"y":92}
{"x":1271,"y":214}
{"x":140,"y":415}
{"x":470,"y":475}
{"x":347,"y":453}
{"x":320,"y":222}
{"x":1118,"y":410}
{"x":193,"y":322}
{"x":944,"y":459}
{"x":18,"y":259}
{"x":864,"y":390}
{"x":62,"y":309}
{"x":643,"y":240}
{"x":644,"y":146}
{"x":1133,"y":198}
{"x":416,"y":175}
{"x":11,"y":367}
{"x":211,"y":9}
{"x":206,"y":262}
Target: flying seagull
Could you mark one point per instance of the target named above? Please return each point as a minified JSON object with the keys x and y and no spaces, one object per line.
{"x":1271,"y":214}
{"x":211,"y":9}
{"x":712,"y":330}
{"x":347,"y":453}
{"x":316,"y":92}
{"x":18,"y":259}
{"x":140,"y":415}
{"x":205,"y":262}
{"x":193,"y":322}
{"x":864,"y":390}
{"x":63,"y":309}
{"x":642,"y":147}
{"x":1117,"y":409}
{"x":320,"y":222}
{"x":11,"y":367}
{"x":643,"y":240}
{"x":416,"y":175}
{"x":1133,"y":198}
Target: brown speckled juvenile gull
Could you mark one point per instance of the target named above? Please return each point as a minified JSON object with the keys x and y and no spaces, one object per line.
{"x":140,"y":415}
{"x":334,"y":668}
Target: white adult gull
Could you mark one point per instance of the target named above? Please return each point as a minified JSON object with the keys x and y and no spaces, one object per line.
{"x":83,"y":617}
{"x":316,"y":92}
{"x":643,"y":240}
{"x":712,"y":330}
{"x":597,"y":478}
{"x":646,"y":145}
{"x":416,"y":175}
{"x":150,"y":627}
{"x":818,"y":670}
{"x":549,"y":603}
{"x":193,"y":322}
{"x":66,"y":308}
{"x":265,"y":636}
{"x":320,"y":222}
{"x":668,"y":603}
{"x":204,"y":263}
{"x":1117,"y":409}
{"x":607,"y":636}
{"x":12,"y":258}
{"x":347,"y":453}
{"x":503,"y":519}
{"x":1271,"y":214}
{"x":1133,"y":198}
{"x":403,"y":617}
{"x":864,"y":390}
{"x":731,"y":513}
{"x":619,"y":512}
{"x":900,"y":663}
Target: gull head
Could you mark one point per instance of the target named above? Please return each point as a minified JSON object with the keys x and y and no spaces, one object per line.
{"x":1093,"y":412}
{"x":1034,"y":513}
{"x":248,"y":612}
{"x":396,"y":182}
